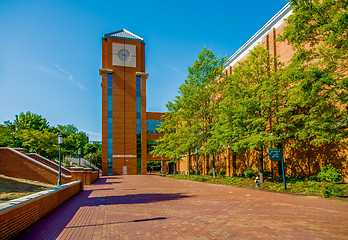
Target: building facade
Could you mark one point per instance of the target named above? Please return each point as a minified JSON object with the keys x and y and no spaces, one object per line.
{"x":298,"y":161}
{"x":124,"y":116}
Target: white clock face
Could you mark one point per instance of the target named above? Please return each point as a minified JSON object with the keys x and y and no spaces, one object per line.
{"x":123,"y":55}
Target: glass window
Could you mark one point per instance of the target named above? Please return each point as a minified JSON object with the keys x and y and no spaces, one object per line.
{"x":153,"y":125}
{"x":138,"y":122}
{"x":150,"y":145}
{"x":109,"y":125}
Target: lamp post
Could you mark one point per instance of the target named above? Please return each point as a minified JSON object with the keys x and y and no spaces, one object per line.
{"x":196,"y":162}
{"x":60,"y":142}
{"x":16,"y":136}
{"x":79,"y":152}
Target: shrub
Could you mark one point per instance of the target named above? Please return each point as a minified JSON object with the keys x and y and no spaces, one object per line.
{"x":313,"y":178}
{"x":332,"y":190}
{"x":200,"y":178}
{"x":222,"y":172}
{"x":210,"y":173}
{"x":249,"y":173}
{"x":267,"y":174}
{"x":329,"y":174}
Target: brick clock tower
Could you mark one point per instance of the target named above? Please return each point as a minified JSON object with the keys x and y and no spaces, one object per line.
{"x":123,"y":85}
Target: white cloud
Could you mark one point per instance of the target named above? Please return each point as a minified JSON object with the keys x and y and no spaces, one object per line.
{"x":175,"y":69}
{"x":70,"y":76}
{"x":93,"y":135}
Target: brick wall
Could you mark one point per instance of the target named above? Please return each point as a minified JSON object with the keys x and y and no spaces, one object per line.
{"x":16,"y":164}
{"x":17,"y":215}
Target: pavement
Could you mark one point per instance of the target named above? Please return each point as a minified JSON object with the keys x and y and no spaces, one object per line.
{"x":151,"y":207}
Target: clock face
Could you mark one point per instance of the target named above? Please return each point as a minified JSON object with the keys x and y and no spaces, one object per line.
{"x":123,"y":55}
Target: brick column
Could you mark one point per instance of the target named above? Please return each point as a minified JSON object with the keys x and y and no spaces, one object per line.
{"x":87,"y":172}
{"x":77,"y":174}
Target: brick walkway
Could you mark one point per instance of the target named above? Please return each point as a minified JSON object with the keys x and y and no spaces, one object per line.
{"x":150,"y":207}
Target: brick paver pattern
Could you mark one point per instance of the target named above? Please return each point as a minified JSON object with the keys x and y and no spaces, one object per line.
{"x":151,"y":207}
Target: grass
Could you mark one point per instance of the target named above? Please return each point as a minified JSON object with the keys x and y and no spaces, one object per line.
{"x":12,"y":188}
{"x":294,"y":185}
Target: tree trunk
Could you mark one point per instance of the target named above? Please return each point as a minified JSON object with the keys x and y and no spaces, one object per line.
{"x":189,"y":163}
{"x":261,"y":165}
{"x":213,"y":165}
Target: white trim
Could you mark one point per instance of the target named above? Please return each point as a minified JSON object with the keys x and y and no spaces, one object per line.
{"x":122,"y":156}
{"x":275,"y":22}
{"x":133,"y":34}
{"x":4,"y":207}
{"x":49,"y":161}
{"x":36,"y":161}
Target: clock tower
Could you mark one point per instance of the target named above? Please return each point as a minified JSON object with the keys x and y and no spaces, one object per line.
{"x":123,"y":104}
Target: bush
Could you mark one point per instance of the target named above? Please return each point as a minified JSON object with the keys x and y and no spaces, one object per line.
{"x":250,"y":173}
{"x":313,"y":178}
{"x":329,"y":174}
{"x":332,"y":190}
{"x":210,"y":173}
{"x":267,"y":174}
{"x":222,"y":172}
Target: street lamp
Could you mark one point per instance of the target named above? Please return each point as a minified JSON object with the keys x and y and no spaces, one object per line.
{"x":196,"y":163}
{"x":16,"y":136}
{"x":79,"y":152}
{"x":60,"y":142}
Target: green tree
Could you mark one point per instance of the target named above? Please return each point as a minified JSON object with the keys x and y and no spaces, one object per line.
{"x":30,"y":120}
{"x":200,"y":95}
{"x":250,"y":102}
{"x":314,"y":113}
{"x":41,"y":142}
{"x":318,"y":30}
{"x":73,"y":139}
{"x":7,"y":136}
{"x":189,"y":119}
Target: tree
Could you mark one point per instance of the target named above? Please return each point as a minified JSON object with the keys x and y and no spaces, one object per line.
{"x":30,"y":120}
{"x":251,"y":100}
{"x":73,"y":138}
{"x":188,"y":120}
{"x":7,"y":136}
{"x":317,"y":94}
{"x":41,"y":142}
{"x":318,"y":31}
{"x":201,"y":100}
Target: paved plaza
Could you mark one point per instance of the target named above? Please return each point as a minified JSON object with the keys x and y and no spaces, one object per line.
{"x":151,"y":207}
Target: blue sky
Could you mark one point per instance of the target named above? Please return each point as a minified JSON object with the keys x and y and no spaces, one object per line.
{"x":50,"y":50}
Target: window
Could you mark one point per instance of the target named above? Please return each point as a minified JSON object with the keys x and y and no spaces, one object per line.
{"x":138,"y":114}
{"x":150,"y":145}
{"x":109,"y":126}
{"x":152,"y":125}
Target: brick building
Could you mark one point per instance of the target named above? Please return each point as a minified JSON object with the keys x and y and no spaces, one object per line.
{"x":298,"y":161}
{"x":127,"y":129}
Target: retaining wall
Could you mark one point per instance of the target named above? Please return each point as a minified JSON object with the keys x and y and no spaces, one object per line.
{"x":18,"y":214}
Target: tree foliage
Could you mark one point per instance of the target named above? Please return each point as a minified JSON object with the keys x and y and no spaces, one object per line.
{"x":32,"y":132}
{"x":189,"y":118}
{"x":318,"y":30}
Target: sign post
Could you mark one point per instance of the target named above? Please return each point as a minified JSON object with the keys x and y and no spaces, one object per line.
{"x":276,"y":154}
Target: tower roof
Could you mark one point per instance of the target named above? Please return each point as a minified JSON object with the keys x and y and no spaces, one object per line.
{"x":123,"y":34}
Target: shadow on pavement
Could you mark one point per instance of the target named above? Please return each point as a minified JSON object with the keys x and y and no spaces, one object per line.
{"x":138,"y":220}
{"x":133,"y":199}
{"x":52,"y":225}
